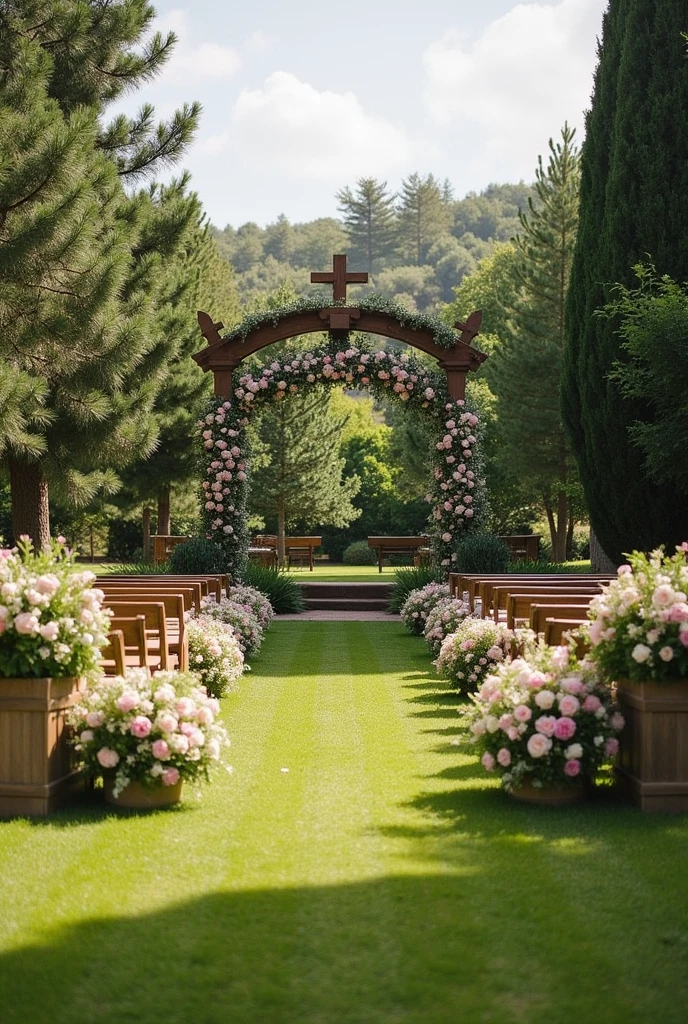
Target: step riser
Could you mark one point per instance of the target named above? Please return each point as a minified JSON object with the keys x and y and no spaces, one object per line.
{"x":355,"y":591}
{"x":345,"y":605}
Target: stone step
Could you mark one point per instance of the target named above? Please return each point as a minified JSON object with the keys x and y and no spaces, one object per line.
{"x":346,"y":604}
{"x":356,"y":591}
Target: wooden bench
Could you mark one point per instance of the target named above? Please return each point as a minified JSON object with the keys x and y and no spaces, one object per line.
{"x":397,"y":546}
{"x":162,"y":546}
{"x":294,"y":547}
{"x":523,"y":546}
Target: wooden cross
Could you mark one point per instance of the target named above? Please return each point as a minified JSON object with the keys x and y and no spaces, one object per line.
{"x":339,"y":278}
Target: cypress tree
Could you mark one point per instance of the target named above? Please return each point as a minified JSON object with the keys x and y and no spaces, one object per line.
{"x":633,"y":202}
{"x":370,"y":222}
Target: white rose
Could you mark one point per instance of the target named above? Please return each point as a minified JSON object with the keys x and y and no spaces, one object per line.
{"x":641,"y":653}
{"x":573,"y":752}
{"x":491,"y":723}
{"x":544,"y":699}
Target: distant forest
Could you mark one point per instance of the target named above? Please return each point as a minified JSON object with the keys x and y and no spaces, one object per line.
{"x":417,"y":244}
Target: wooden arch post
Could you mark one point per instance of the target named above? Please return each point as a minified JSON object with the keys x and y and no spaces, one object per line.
{"x":223,"y":355}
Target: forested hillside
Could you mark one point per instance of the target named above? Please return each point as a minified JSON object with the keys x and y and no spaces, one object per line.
{"x":417,"y":244}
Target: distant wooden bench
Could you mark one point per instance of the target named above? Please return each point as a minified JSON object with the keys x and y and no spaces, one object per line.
{"x":397,"y":546}
{"x":162,"y":546}
{"x":294,"y":547}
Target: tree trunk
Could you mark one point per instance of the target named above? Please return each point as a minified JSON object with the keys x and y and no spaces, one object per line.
{"x":30,"y":510}
{"x":559,"y":548}
{"x":281,"y":534}
{"x":569,"y":535}
{"x":164,"y":511}
{"x":146,"y":534}
{"x":598,"y":559}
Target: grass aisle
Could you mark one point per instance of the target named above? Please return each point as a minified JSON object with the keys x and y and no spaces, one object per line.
{"x":381,"y":878}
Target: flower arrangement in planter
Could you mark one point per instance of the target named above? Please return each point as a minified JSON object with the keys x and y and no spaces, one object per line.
{"x":639,"y":641}
{"x":52,"y":627}
{"x":156,"y":731}
{"x":214,"y":654}
{"x":240,"y":619}
{"x":544,"y":722}
{"x":476,"y":648}
{"x":640,"y":622}
{"x":256,"y":601}
{"x":418,"y":605}
{"x":445,"y":618}
{"x":52,"y":622}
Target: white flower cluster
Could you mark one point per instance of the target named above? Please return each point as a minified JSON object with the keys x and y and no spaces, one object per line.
{"x":420,"y":603}
{"x":51,"y":618}
{"x":445,"y":618}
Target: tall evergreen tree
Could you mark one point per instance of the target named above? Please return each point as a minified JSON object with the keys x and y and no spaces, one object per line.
{"x":82,"y":264}
{"x":370,"y":222}
{"x":298,"y":474}
{"x":634,"y":202}
{"x":527,"y":365}
{"x":425,"y":213}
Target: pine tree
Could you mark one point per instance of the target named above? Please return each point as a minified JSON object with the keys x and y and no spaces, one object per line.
{"x":370,"y":221}
{"x":297,"y":476}
{"x":424,"y":214}
{"x":83,"y":265}
{"x":634,"y":202}
{"x":527,"y":365}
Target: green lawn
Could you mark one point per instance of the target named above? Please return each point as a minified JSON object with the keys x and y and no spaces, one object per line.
{"x":382,"y":879}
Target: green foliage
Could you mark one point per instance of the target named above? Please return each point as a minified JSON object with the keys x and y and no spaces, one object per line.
{"x":406,"y":580}
{"x":359,"y":553}
{"x":543,"y":567}
{"x":527,"y":364}
{"x":197,"y":555}
{"x":482,"y":552}
{"x":634,"y":202}
{"x":281,"y":589}
{"x":369,"y":219}
{"x":424,"y":215}
{"x":652,"y":321}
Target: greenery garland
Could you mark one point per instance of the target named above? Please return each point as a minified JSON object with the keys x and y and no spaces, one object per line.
{"x":442,"y":334}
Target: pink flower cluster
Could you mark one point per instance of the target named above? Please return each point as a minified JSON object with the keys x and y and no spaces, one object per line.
{"x":545,"y":717}
{"x":454,"y":487}
{"x":157,"y":729}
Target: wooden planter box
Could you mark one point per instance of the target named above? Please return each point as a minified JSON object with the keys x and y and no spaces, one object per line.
{"x":36,"y":773}
{"x":653,"y":758}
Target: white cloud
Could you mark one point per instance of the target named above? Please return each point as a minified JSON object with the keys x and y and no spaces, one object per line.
{"x":192,"y":61}
{"x":298,"y":130}
{"x":257,"y":42}
{"x":515,"y":85}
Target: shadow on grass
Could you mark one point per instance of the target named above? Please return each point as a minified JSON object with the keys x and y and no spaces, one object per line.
{"x":402,"y":949}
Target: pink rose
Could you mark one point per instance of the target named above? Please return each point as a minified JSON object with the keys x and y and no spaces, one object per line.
{"x":666,"y":653}
{"x":592,"y":703}
{"x":505,"y":721}
{"x":140,"y":727}
{"x":185,"y":707}
{"x":611,"y":747}
{"x":513,"y":733}
{"x":161,"y":751}
{"x":504,"y":757}
{"x":166,"y":721}
{"x":170,"y":777}
{"x":572,"y":768}
{"x":488,"y":762}
{"x":94,"y":719}
{"x":617,"y":722}
{"x":545,"y":724}
{"x":537,"y":679}
{"x":539,"y":745}
{"x":26,"y":623}
{"x":571,"y":685}
{"x":128,"y":701}
{"x":569,"y":705}
{"x":107,"y":758}
{"x":564,"y":728}
{"x":522,"y":713}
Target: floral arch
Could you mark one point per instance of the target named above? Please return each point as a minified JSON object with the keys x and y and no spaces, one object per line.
{"x":455,"y":491}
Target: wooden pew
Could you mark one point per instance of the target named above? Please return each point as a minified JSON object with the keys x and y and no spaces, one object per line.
{"x":193,"y":592}
{"x":133,"y":630}
{"x":217,"y":584}
{"x":397,"y":546}
{"x":519,"y":605}
{"x":556,"y":630}
{"x":113,"y":656}
{"x":572,"y":609}
{"x":501,"y":594}
{"x":156,"y":627}
{"x":176,"y":607}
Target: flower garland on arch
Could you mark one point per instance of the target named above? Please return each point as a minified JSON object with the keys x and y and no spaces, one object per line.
{"x":455,"y":492}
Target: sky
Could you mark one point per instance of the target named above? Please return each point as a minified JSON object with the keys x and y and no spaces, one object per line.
{"x":303,"y":97}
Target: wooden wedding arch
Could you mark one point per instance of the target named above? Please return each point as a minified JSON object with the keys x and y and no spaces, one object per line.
{"x":223,"y":355}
